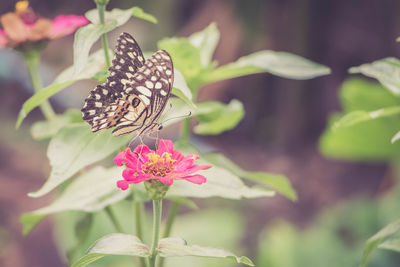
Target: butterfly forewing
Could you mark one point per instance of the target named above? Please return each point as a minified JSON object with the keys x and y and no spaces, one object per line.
{"x":135,"y":93}
{"x":127,"y":60}
{"x":151,"y":85}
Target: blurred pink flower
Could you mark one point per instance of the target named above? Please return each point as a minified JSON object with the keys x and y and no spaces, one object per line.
{"x":23,"y":26}
{"x":165,"y":165}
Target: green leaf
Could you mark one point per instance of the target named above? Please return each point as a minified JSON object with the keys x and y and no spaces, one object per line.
{"x":378,"y":239}
{"x":276,"y":182}
{"x":177,"y":247}
{"x":114,"y":244}
{"x":396,"y":137}
{"x":139,"y":13}
{"x":215,"y":118}
{"x":386,"y":71}
{"x":185,"y":56}
{"x":46,"y":129}
{"x":64,"y":79}
{"x":29,"y":221}
{"x":121,"y":16}
{"x":83,"y":226}
{"x":73,"y":148}
{"x":206,"y":41}
{"x":360,"y":116}
{"x":391,"y":244}
{"x":91,"y":191}
{"x":368,"y":139}
{"x":181,"y":89}
{"x":82,"y":233}
{"x":85,"y":37}
{"x":38,"y":98}
{"x":359,"y":94}
{"x":220,"y":183}
{"x":184,"y":201}
{"x":281,"y":64}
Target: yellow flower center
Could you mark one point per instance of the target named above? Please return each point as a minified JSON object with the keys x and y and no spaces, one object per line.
{"x":21,"y":6}
{"x":159,"y":165}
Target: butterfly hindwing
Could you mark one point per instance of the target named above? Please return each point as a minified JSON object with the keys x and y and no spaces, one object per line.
{"x":135,"y":93}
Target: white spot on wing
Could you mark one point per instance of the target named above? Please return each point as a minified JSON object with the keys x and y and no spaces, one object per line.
{"x":144,"y":90}
{"x":145,"y":100}
{"x":149,"y":84}
{"x":158,"y":85}
{"x":131,"y":116}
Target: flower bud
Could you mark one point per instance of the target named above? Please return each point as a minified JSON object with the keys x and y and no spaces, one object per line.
{"x":156,"y":189}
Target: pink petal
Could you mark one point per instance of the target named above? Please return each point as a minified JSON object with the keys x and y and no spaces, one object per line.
{"x":130,"y":159}
{"x":196,"y":179}
{"x":121,"y":157}
{"x":139,"y":179}
{"x":186,"y":162}
{"x":66,"y":24}
{"x":192,"y":169}
{"x":177,"y":155}
{"x":166,"y":180}
{"x":3,"y":39}
{"x":129,"y":174}
{"x":165,"y":146}
{"x":122,"y":184}
{"x":143,"y":150}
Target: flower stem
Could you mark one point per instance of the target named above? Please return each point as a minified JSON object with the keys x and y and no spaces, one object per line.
{"x":114,"y":221}
{"x":185,"y":133}
{"x":171,"y":219}
{"x":32,"y":62}
{"x":138,"y":225}
{"x":102,"y":9}
{"x":138,"y":220}
{"x":157,"y":209}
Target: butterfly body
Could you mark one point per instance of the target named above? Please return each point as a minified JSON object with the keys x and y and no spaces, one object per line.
{"x":135,"y":93}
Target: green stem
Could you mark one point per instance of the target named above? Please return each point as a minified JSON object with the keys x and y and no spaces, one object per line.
{"x":157,"y":209}
{"x":185,"y":133}
{"x":102,"y":9}
{"x":32,"y":62}
{"x":138,"y":225}
{"x":114,"y":221}
{"x":171,"y":219}
{"x":138,"y":220}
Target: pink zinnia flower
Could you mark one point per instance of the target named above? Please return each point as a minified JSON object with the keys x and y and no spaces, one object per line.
{"x":23,"y":26}
{"x":165,"y":165}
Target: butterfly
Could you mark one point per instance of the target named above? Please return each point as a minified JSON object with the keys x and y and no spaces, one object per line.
{"x":135,"y":92}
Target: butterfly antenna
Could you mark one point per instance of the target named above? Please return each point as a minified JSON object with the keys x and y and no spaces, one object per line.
{"x":134,"y":139}
{"x":160,"y":126}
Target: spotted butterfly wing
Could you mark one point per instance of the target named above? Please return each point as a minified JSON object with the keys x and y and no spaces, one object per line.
{"x":135,"y":93}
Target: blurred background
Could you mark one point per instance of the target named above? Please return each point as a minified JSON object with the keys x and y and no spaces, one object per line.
{"x":341,"y":203}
